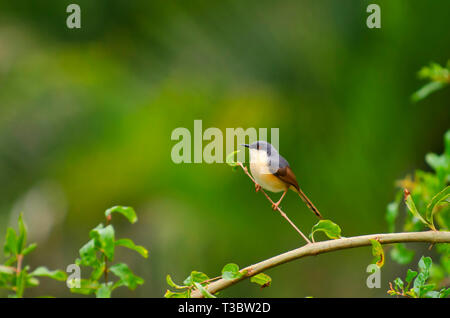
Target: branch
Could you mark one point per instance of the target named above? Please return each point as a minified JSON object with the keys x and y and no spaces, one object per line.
{"x":268,"y":198}
{"x":325,"y":247}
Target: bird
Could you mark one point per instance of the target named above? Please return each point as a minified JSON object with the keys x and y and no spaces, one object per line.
{"x":273,"y":173}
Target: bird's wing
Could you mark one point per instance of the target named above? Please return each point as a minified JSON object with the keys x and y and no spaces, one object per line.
{"x":280,"y":168}
{"x":287,"y":175}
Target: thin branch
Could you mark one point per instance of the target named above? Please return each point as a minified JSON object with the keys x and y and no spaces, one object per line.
{"x":278,"y":208}
{"x":325,"y":247}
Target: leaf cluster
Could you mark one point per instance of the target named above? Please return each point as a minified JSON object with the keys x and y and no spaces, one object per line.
{"x":15,"y":276}
{"x":199,"y":281}
{"x":98,"y":254}
{"x":416,"y":284}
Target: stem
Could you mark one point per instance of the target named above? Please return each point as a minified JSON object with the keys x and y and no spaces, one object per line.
{"x":19,"y":264}
{"x":278,"y":208}
{"x":105,"y":259}
{"x":325,"y":247}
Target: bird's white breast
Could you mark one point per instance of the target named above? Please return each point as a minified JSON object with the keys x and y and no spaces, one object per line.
{"x":259,"y":167}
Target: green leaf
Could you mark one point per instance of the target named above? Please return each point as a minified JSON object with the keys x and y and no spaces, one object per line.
{"x":20,"y":283}
{"x":231,"y":271}
{"x":261,"y":279}
{"x":204,"y":291}
{"x":195,"y":277}
{"x":130,"y":244}
{"x":88,"y":254}
{"x":104,"y":291}
{"x":412,"y":207}
{"x":410,"y":276}
{"x":122,"y":271}
{"x":401,"y":254}
{"x":43,"y":271}
{"x":30,"y":248}
{"x":170,"y":294}
{"x":104,"y":240}
{"x":435,"y":201}
{"x":332,"y":230}
{"x":444,"y":292}
{"x":425,"y":265}
{"x":87,"y":287}
{"x":426,"y":90}
{"x":230,"y":159}
{"x":7,"y":269}
{"x":22,"y":237}
{"x":126,"y":211}
{"x":377,"y":251}
{"x":31,"y":282}
{"x":10,"y":247}
{"x":399,"y":283}
{"x":172,"y":284}
{"x":97,"y":272}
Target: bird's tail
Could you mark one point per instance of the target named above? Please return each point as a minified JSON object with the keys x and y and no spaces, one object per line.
{"x":309,"y":203}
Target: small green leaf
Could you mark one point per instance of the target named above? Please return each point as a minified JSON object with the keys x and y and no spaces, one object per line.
{"x":261,"y":279}
{"x":399,"y":283}
{"x":31,"y":282}
{"x":7,"y":269}
{"x":30,"y":248}
{"x":231,"y":271}
{"x":412,"y":207}
{"x":230,"y":159}
{"x":426,"y":90}
{"x":410,"y":276}
{"x":444,"y":293}
{"x":195,"y":277}
{"x":425,"y":265}
{"x":126,"y":211}
{"x":88,"y":254}
{"x":104,"y":240}
{"x":104,"y":291}
{"x":20,"y":283}
{"x":10,"y":248}
{"x":43,"y":271}
{"x":204,"y":291}
{"x":401,"y":254}
{"x":130,"y":244}
{"x":435,"y":201}
{"x":377,"y":251}
{"x":172,"y":284}
{"x":87,"y":287}
{"x":22,"y":237}
{"x":97,"y":272}
{"x":122,"y":271}
{"x":332,"y":230}
{"x":419,"y":282}
{"x":170,"y":294}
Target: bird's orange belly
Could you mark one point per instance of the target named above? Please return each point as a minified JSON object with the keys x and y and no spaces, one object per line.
{"x":266,"y":179}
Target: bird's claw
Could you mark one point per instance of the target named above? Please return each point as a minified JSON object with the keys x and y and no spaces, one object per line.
{"x":257,"y":187}
{"x":275,"y":206}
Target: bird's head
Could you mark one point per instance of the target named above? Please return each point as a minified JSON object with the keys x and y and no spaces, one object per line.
{"x":260,"y":149}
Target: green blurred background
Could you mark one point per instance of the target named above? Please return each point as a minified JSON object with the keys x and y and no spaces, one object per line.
{"x":86,"y":118}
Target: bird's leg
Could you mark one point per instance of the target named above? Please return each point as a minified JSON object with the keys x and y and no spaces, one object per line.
{"x":257,"y":187}
{"x":275,"y":205}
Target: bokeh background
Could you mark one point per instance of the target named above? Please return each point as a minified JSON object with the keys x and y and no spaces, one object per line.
{"x":86,"y":118}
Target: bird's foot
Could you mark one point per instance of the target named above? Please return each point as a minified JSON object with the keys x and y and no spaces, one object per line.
{"x":257,"y":187}
{"x":275,"y":206}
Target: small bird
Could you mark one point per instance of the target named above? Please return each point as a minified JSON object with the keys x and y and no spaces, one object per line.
{"x":272,"y":172}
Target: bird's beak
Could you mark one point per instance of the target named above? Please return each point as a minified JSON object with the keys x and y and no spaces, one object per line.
{"x":245,"y":145}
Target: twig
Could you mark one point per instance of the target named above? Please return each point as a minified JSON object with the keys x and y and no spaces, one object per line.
{"x":278,"y":208}
{"x":325,"y":247}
